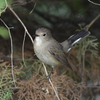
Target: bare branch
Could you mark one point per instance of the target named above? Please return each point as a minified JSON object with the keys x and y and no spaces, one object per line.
{"x":21,"y":23}
{"x":33,"y":8}
{"x":94,"y":3}
{"x":26,"y":31}
{"x":11,"y":51}
{"x":51,"y":83}
{"x":23,"y":48}
{"x":92,"y":22}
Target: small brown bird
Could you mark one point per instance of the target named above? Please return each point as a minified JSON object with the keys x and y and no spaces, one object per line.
{"x":51,"y":52}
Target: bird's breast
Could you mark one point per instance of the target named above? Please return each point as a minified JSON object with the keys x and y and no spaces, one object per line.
{"x":41,"y":51}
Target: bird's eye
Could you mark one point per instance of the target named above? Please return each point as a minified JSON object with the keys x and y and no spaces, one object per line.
{"x":44,"y":34}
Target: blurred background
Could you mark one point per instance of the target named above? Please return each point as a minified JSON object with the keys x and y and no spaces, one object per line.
{"x":62,"y":17}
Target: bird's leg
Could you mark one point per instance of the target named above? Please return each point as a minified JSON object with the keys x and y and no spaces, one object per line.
{"x":50,"y":74}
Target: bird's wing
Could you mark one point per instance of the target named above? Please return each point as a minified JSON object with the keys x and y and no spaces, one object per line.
{"x":56,"y":50}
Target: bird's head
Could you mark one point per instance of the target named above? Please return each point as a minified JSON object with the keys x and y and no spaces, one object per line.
{"x":43,"y":34}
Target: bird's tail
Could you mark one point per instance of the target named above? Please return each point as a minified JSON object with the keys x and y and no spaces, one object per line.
{"x":68,"y":44}
{"x":75,"y":38}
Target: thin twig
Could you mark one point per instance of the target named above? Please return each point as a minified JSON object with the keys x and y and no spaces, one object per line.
{"x":33,"y":8}
{"x":51,"y":83}
{"x":92,"y":22}
{"x":26,"y":31}
{"x":21,"y":23}
{"x":23,"y":48}
{"x":38,"y":69}
{"x":83,"y":66}
{"x":94,"y":3}
{"x":11,"y":50}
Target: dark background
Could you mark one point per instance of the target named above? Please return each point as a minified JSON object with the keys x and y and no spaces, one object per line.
{"x":62,"y":17}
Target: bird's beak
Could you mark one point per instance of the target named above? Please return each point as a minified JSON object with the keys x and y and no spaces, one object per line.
{"x":35,"y":35}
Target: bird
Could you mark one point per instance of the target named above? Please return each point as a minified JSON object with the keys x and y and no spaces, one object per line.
{"x":50,"y":51}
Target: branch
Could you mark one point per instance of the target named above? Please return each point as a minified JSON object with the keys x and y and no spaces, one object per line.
{"x":51,"y":82}
{"x":26,"y":31}
{"x":11,"y":50}
{"x":21,"y":23}
{"x":92,"y":22}
{"x":23,"y":48}
{"x":94,"y":3}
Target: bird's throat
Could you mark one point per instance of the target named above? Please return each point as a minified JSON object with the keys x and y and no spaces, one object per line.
{"x":38,"y":41}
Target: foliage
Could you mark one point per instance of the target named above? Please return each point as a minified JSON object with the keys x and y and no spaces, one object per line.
{"x":31,"y":68}
{"x":6,"y":83}
{"x":4,"y":32}
{"x":89,"y":44}
{"x":3,"y":5}
{"x":38,"y":88}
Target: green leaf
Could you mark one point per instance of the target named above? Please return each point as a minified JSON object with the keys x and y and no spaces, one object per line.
{"x":3,"y":5}
{"x":18,"y":72}
{"x":7,"y":95}
{"x":4,"y":32}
